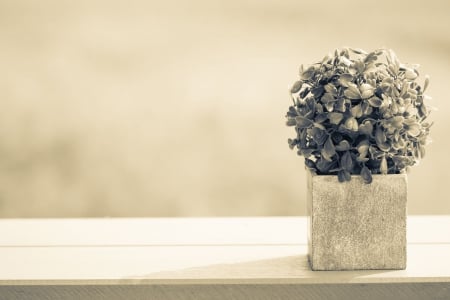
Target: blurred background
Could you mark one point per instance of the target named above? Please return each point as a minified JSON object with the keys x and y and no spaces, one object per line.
{"x":176,"y":108}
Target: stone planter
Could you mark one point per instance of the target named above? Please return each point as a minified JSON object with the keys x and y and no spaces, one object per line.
{"x":357,"y":226}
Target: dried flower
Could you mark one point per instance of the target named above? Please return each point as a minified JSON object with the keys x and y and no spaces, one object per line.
{"x":357,"y":114}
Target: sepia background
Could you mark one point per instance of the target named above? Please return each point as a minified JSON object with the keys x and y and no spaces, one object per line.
{"x":176,"y":108}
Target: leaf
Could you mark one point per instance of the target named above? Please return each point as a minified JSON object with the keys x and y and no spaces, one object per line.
{"x":427,"y":82}
{"x":303,"y":122}
{"x":317,"y":91}
{"x":351,"y":124}
{"x":366,"y":128}
{"x":336,"y":137}
{"x":410,"y":74}
{"x":320,"y":118}
{"x":413,"y":129}
{"x":328,"y":149}
{"x":329,"y":106}
{"x":326,"y":59}
{"x":422,"y":151}
{"x":318,"y":125}
{"x":366,"y":90}
{"x":416,"y":153}
{"x":371,"y":57}
{"x":362,"y":159}
{"x":310,"y":164}
{"x":341,"y":176}
{"x":318,"y":135}
{"x":404,"y":89}
{"x":292,"y":143}
{"x":359,"y":66}
{"x":423,"y":110}
{"x":296,"y":87}
{"x":291,"y":122}
{"x":302,"y":138}
{"x":335,"y":117}
{"x":346,"y":161}
{"x":304,"y":92}
{"x":397,"y":122}
{"x":410,"y":111}
{"x":292,"y":112}
{"x":380,"y":139}
{"x":334,"y":170}
{"x":365,"y":108}
{"x":393,"y":70}
{"x":399,"y":145}
{"x":343,"y":145}
{"x":386,"y":147}
{"x":308,"y":73}
{"x":375,"y":153}
{"x":327,"y":97}
{"x":306,"y":152}
{"x":340,"y":105}
{"x":358,"y":51}
{"x":363,"y":148}
{"x":392,"y":57}
{"x":380,"y":136}
{"x":345,"y":79}
{"x":356,"y":111}
{"x":402,"y":162}
{"x":344,"y":175}
{"x":323,"y":165}
{"x":383,"y":166}
{"x":352,"y":92}
{"x":344,"y":60}
{"x":375,"y":101}
{"x":329,"y":88}
{"x":366,"y":175}
{"x":336,"y":52}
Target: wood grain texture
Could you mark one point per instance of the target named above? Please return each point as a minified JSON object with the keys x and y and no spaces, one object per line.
{"x":405,"y":291}
{"x":204,"y":258}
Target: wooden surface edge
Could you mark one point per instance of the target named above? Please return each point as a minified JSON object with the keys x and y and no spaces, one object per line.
{"x":400,"y":291}
{"x":226,"y":281}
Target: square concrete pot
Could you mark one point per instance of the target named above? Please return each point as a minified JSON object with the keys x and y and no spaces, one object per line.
{"x":357,"y":226}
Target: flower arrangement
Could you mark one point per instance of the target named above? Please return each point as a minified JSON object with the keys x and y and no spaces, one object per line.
{"x":359,"y":113}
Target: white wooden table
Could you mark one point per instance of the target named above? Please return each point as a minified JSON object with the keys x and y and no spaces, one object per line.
{"x":203,"y":258}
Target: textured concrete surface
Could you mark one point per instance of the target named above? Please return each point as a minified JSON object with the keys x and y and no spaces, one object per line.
{"x":354,"y":225}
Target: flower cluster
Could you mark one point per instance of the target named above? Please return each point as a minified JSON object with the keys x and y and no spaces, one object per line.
{"x":359,"y":113}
